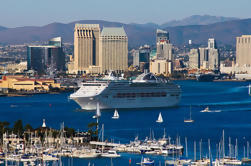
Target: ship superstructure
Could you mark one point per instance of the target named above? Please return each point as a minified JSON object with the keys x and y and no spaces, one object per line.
{"x":145,"y":91}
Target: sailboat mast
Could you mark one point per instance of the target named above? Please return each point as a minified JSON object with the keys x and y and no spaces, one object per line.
{"x":247,"y":149}
{"x":194,"y":150}
{"x":103,"y":132}
{"x":190,"y":112}
{"x":200,"y":148}
{"x":236,"y":148}
{"x":230,"y":150}
{"x":223,"y":144}
{"x":244,"y":151}
{"x":186,"y":147}
{"x":164,"y":136}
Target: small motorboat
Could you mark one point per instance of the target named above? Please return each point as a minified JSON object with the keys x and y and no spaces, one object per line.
{"x":206,"y":110}
{"x":146,"y":161}
{"x":111,"y":154}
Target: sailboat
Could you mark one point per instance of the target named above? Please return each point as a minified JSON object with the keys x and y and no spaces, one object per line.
{"x":190,"y":120}
{"x":98,"y":113}
{"x":115,"y":115}
{"x":160,"y":119}
{"x":246,"y":159}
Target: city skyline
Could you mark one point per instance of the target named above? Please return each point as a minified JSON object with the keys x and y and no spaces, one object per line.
{"x":16,"y":14}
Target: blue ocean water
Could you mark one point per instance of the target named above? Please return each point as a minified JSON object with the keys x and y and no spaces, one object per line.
{"x":230,"y":98}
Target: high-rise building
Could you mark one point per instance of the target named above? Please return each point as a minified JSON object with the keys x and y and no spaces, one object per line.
{"x":164,"y":50}
{"x":203,"y":55}
{"x":162,"y":35}
{"x":114,"y":49}
{"x":46,"y":59}
{"x":243,"y":51}
{"x":194,"y":59}
{"x":213,"y":59}
{"x":144,"y":53}
{"x":211,"y":43}
{"x":86,"y":46}
{"x":205,"y":58}
{"x":163,"y":45}
{"x":213,"y":55}
{"x":144,"y":57}
{"x":135,"y":55}
{"x":57,"y":41}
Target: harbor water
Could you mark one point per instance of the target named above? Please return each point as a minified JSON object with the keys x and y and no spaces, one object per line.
{"x":229,"y":100}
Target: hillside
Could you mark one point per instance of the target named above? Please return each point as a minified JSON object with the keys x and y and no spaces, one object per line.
{"x":138,"y":34}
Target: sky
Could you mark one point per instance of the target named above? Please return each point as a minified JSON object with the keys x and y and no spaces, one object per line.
{"x":16,"y":13}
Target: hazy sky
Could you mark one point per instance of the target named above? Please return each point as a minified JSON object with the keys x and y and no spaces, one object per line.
{"x":15,"y":13}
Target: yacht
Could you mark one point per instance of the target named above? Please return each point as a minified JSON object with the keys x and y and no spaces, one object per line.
{"x":146,"y":91}
{"x":110,"y":153}
{"x":206,"y":110}
{"x":146,"y":161}
{"x":49,"y":157}
{"x":230,"y":161}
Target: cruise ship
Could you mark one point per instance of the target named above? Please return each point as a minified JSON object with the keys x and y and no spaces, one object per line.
{"x":146,"y":91}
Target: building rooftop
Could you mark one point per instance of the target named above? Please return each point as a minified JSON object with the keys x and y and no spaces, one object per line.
{"x":113,"y":31}
{"x":44,"y":46}
{"x":161,"y":31}
{"x":246,"y":36}
{"x":86,"y":25}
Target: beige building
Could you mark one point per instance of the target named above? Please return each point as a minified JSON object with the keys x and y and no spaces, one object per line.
{"x":194,"y":59}
{"x":114,"y":49}
{"x":158,"y":66}
{"x":19,"y":82}
{"x":86,"y":46}
{"x":243,"y":51}
{"x":203,"y":56}
{"x":213,"y":59}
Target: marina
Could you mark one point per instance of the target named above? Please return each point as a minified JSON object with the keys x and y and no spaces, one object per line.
{"x":233,"y":101}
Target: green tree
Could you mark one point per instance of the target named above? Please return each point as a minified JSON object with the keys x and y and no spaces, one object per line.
{"x":28,"y":127}
{"x":18,"y":128}
{"x":69,"y":132}
{"x":55,"y":133}
{"x":4,"y":127}
{"x":92,"y":130}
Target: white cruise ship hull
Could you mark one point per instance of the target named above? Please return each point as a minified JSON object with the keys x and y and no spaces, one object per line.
{"x":90,"y":103}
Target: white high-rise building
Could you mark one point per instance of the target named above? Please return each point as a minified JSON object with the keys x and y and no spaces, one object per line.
{"x":211,"y":43}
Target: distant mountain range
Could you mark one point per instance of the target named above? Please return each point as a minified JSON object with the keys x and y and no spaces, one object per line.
{"x":198,"y":20}
{"x":138,"y":34}
{"x":2,"y":28}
